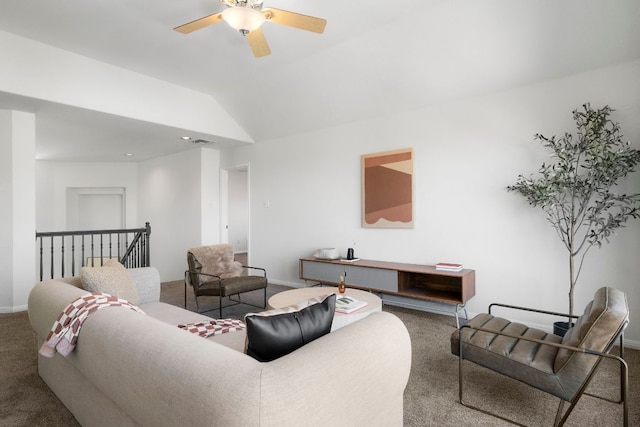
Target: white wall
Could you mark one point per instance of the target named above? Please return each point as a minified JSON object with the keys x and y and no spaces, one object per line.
{"x":173,"y":190}
{"x":17,"y":212}
{"x":210,"y":195}
{"x":466,"y":153}
{"x":6,"y":211}
{"x":54,"y":178}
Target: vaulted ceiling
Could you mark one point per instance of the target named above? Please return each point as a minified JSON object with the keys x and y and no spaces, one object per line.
{"x":375,"y":58}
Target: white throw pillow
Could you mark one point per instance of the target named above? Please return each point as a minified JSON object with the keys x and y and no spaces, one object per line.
{"x":112,"y":278}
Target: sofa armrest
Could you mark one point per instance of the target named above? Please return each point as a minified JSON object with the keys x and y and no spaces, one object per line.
{"x":360,"y":370}
{"x":147,"y":280}
{"x":47,"y":299}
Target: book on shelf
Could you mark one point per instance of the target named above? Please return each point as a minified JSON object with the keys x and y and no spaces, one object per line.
{"x":349,"y":260}
{"x":448,"y":266}
{"x":346,"y":304}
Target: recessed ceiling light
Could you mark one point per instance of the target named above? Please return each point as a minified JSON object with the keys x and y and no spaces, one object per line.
{"x":186,"y":138}
{"x":129,"y":154}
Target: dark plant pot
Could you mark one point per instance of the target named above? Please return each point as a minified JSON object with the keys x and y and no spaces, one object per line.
{"x":561,"y":328}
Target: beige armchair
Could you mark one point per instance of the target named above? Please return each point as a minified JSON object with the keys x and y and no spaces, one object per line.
{"x":560,"y":366}
{"x":213,"y":271}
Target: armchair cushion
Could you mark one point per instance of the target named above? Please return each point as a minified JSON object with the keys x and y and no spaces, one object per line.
{"x":217,"y":260}
{"x":270,"y":337}
{"x":518,"y":359}
{"x":238,"y":285}
{"x":605,"y":315}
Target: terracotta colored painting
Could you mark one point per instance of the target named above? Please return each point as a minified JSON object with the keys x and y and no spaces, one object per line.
{"x":387,"y":189}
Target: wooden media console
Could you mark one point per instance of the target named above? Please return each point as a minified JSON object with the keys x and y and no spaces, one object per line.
{"x":408,"y":285}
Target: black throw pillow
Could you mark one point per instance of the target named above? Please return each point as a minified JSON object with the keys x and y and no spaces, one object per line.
{"x":271,"y":337}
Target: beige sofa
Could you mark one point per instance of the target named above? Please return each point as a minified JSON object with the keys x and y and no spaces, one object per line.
{"x":140,"y":369}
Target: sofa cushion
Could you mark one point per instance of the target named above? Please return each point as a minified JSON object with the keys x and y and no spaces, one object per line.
{"x":147,"y":280}
{"x":112,"y":278}
{"x":272,"y":336}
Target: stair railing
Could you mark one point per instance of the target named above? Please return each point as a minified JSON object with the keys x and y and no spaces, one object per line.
{"x":68,"y":251}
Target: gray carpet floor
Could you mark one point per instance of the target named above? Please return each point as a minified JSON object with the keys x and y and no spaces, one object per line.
{"x":430,"y":397}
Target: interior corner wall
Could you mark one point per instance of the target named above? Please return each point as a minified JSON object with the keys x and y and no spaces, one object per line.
{"x":17,"y":212}
{"x":466,"y":153}
{"x":171,"y":196}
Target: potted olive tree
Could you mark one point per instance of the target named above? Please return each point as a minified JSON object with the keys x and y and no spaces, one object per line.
{"x":577,"y":188}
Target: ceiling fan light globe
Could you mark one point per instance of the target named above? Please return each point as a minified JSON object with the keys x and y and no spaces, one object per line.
{"x":243,"y":19}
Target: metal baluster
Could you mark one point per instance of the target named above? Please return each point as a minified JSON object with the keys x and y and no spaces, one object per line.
{"x":62,"y":255}
{"x":73,"y":255}
{"x":146,"y":250}
{"x":41,"y":266}
{"x":126,"y":245}
{"x":51,"y":257}
{"x":147,"y":237}
{"x":119,"y":252}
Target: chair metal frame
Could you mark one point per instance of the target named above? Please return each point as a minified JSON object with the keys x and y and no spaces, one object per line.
{"x":560,"y":419}
{"x":220,"y":280}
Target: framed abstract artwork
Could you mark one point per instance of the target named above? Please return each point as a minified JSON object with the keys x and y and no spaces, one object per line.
{"x":387,"y":189}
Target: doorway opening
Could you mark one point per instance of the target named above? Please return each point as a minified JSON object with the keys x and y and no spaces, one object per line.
{"x":235,"y":212}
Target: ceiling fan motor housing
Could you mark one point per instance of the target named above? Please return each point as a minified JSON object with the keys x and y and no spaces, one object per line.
{"x":251,"y":4}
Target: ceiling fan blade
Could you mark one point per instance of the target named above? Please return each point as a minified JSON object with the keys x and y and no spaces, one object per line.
{"x":258,"y":43}
{"x":199,"y":23}
{"x":295,"y":20}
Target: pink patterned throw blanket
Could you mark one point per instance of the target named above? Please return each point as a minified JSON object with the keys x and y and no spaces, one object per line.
{"x":214,"y":327}
{"x":65,"y":330}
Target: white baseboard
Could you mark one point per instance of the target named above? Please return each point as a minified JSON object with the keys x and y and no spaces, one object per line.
{"x":17,"y":309}
{"x":633,"y":344}
{"x":284,"y":283}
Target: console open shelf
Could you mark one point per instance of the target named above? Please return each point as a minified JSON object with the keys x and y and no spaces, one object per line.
{"x":399,"y":280}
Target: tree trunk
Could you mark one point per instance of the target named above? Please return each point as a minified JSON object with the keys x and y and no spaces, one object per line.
{"x":571,"y":285}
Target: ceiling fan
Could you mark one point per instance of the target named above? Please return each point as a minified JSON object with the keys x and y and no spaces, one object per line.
{"x":247,"y":16}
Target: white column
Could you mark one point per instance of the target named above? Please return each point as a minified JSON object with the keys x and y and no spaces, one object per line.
{"x":210,"y":196}
{"x":17,"y":210}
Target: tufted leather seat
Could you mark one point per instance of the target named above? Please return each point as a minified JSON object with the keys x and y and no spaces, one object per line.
{"x":561,"y":366}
